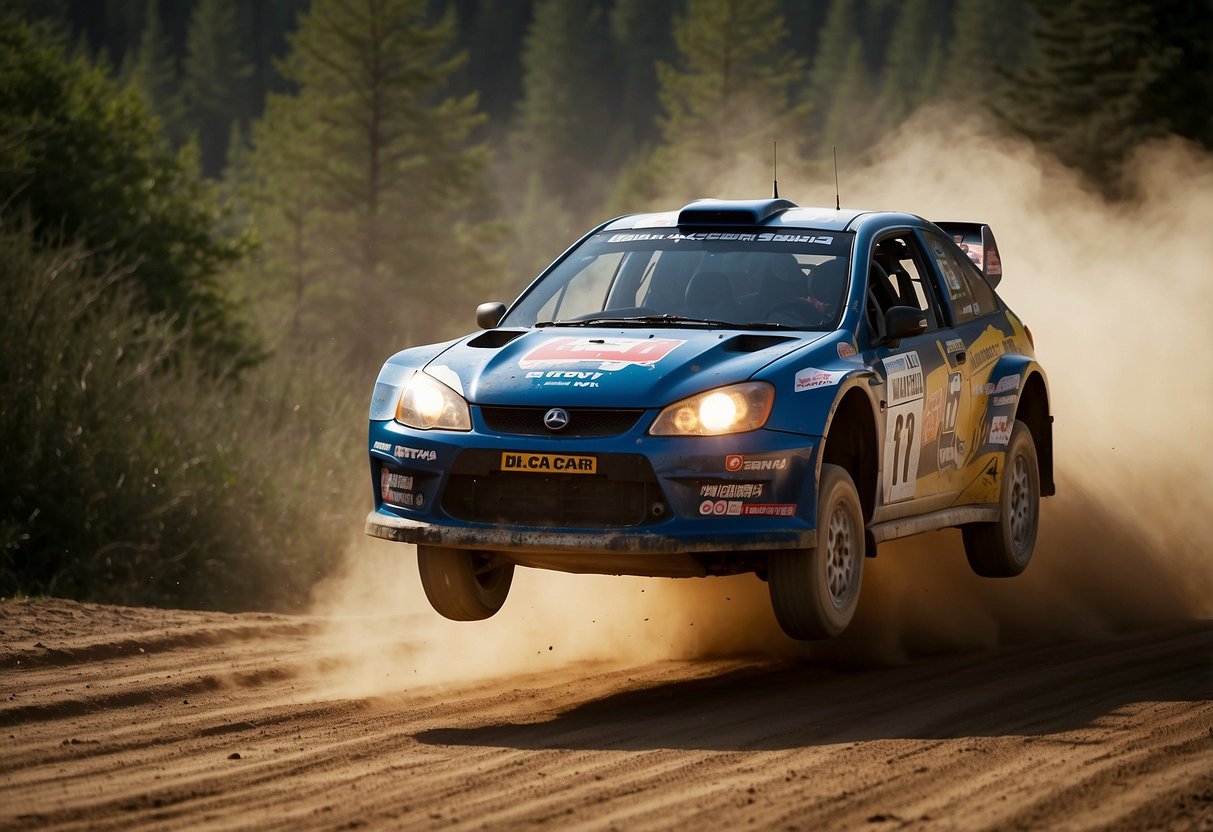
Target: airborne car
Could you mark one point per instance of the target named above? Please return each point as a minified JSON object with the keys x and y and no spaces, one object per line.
{"x":737,"y":386}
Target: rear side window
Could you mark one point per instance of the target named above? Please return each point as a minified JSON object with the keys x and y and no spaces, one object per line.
{"x":968,"y":293}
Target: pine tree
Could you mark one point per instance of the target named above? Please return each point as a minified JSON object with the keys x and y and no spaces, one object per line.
{"x":1111,"y":74}
{"x":837,"y":69}
{"x":559,"y":131}
{"x":640,"y":33}
{"x":730,"y":91}
{"x":494,"y":65}
{"x":913,"y":64}
{"x":151,"y":69}
{"x":216,"y":73}
{"x":991,"y":40}
{"x":386,"y":206}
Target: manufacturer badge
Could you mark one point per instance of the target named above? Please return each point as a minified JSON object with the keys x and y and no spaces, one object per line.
{"x":556,"y":419}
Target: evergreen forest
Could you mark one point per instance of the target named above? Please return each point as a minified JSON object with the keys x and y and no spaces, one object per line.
{"x":218,"y":217}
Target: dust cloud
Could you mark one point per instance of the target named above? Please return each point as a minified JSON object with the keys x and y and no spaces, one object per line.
{"x":1117,"y":296}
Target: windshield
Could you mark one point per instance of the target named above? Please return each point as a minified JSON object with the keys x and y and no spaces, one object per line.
{"x":793,"y":279}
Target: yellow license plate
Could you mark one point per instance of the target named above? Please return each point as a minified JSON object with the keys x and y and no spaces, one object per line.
{"x":549,"y":463}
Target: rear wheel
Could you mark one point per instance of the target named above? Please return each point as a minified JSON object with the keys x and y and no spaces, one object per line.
{"x":463,"y":584}
{"x":815,"y":591}
{"x":1003,"y":549}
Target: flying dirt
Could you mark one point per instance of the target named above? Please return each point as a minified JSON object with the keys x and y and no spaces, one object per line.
{"x":1079,"y":695}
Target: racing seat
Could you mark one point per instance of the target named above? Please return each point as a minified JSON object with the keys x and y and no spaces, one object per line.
{"x":709,"y":295}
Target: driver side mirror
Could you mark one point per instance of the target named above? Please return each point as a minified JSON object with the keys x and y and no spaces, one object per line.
{"x":488,"y":315}
{"x":903,"y":322}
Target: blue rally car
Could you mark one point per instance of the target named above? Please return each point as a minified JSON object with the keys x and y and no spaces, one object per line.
{"x":738,"y":386}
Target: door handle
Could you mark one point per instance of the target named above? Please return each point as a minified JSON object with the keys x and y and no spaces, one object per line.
{"x":961,"y":357}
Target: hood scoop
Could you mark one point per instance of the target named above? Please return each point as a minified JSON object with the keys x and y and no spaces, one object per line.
{"x":495,"y":338}
{"x":753,"y":343}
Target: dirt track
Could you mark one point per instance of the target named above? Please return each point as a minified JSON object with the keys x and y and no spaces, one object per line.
{"x":119,"y":718}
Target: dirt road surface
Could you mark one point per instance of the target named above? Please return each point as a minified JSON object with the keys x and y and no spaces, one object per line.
{"x":118,"y":718}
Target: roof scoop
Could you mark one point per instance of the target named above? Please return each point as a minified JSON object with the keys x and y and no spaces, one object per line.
{"x":732,"y":212}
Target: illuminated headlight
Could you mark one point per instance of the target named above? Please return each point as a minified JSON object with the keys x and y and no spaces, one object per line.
{"x":733,"y":409}
{"x":427,"y":403}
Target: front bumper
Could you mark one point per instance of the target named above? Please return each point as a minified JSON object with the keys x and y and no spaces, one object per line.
{"x":653,"y":505}
{"x":403,"y":530}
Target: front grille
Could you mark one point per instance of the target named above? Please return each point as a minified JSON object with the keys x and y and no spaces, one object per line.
{"x":583,"y":421}
{"x":623,"y":493}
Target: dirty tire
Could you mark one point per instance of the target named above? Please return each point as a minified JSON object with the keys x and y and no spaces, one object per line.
{"x":1003,"y":549}
{"x":815,"y":591}
{"x":459,"y":584}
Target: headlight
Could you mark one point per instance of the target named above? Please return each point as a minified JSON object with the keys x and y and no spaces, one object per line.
{"x":733,"y":409}
{"x":428,"y":403}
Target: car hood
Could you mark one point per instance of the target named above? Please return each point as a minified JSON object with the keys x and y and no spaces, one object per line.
{"x":605,"y":367}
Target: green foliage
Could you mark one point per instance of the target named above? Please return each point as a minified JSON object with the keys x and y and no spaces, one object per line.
{"x":389,"y":198}
{"x":151,"y":69}
{"x":85,"y":162}
{"x":127,"y":480}
{"x":990,"y":41}
{"x":216,"y":75}
{"x":557,"y":126}
{"x":731,"y":85}
{"x":912,"y":67}
{"x":1111,"y":75}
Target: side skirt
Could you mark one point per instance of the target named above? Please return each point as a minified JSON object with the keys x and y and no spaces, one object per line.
{"x":945,"y":518}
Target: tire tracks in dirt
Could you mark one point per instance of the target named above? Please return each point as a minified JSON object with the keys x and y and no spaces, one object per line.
{"x":230,"y":722}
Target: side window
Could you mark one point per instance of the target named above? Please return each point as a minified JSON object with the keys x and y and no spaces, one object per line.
{"x":970,"y":296}
{"x":896,"y":277}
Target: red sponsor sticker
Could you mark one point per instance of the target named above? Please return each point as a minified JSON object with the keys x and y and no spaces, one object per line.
{"x":733,"y":462}
{"x":768,"y":509}
{"x":607,"y":353}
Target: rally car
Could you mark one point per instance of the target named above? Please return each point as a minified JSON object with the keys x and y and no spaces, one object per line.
{"x":736,"y":386}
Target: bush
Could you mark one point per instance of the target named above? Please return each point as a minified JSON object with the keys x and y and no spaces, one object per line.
{"x":130,"y":475}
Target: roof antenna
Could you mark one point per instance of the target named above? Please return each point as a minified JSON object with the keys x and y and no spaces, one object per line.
{"x":775,"y":175}
{"x":837,"y":196}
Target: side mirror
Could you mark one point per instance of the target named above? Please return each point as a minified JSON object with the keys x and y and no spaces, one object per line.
{"x":488,"y":315}
{"x":903,"y":322}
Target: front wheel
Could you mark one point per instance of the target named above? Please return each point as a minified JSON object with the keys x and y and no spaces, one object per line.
{"x":815,"y":591}
{"x":1003,"y":549}
{"x":461,"y":584}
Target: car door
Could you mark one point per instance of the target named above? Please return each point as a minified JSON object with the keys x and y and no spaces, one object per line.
{"x":922,"y":394}
{"x":980,"y":337}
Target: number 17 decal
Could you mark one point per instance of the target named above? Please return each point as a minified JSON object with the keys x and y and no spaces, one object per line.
{"x":903,"y":427}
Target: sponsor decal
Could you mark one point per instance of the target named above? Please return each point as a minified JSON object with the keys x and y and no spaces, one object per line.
{"x":549,"y":463}
{"x":731,"y":490}
{"x":719,"y":508}
{"x":565,"y":378}
{"x":404,"y":452}
{"x":845,"y":350}
{"x":1000,"y":430}
{"x":932,"y":417}
{"x":951,"y":448}
{"x":903,"y":426}
{"x":392,"y":480}
{"x":607,"y":353}
{"x":1005,"y":385}
{"x":397,"y":489}
{"x":386,"y":447}
{"x":979,"y":358}
{"x":1002,"y":401}
{"x":737,"y":462}
{"x":810,"y":378}
{"x":954,"y":345}
{"x":768,"y":509}
{"x":722,"y":235}
{"x":905,"y":378}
